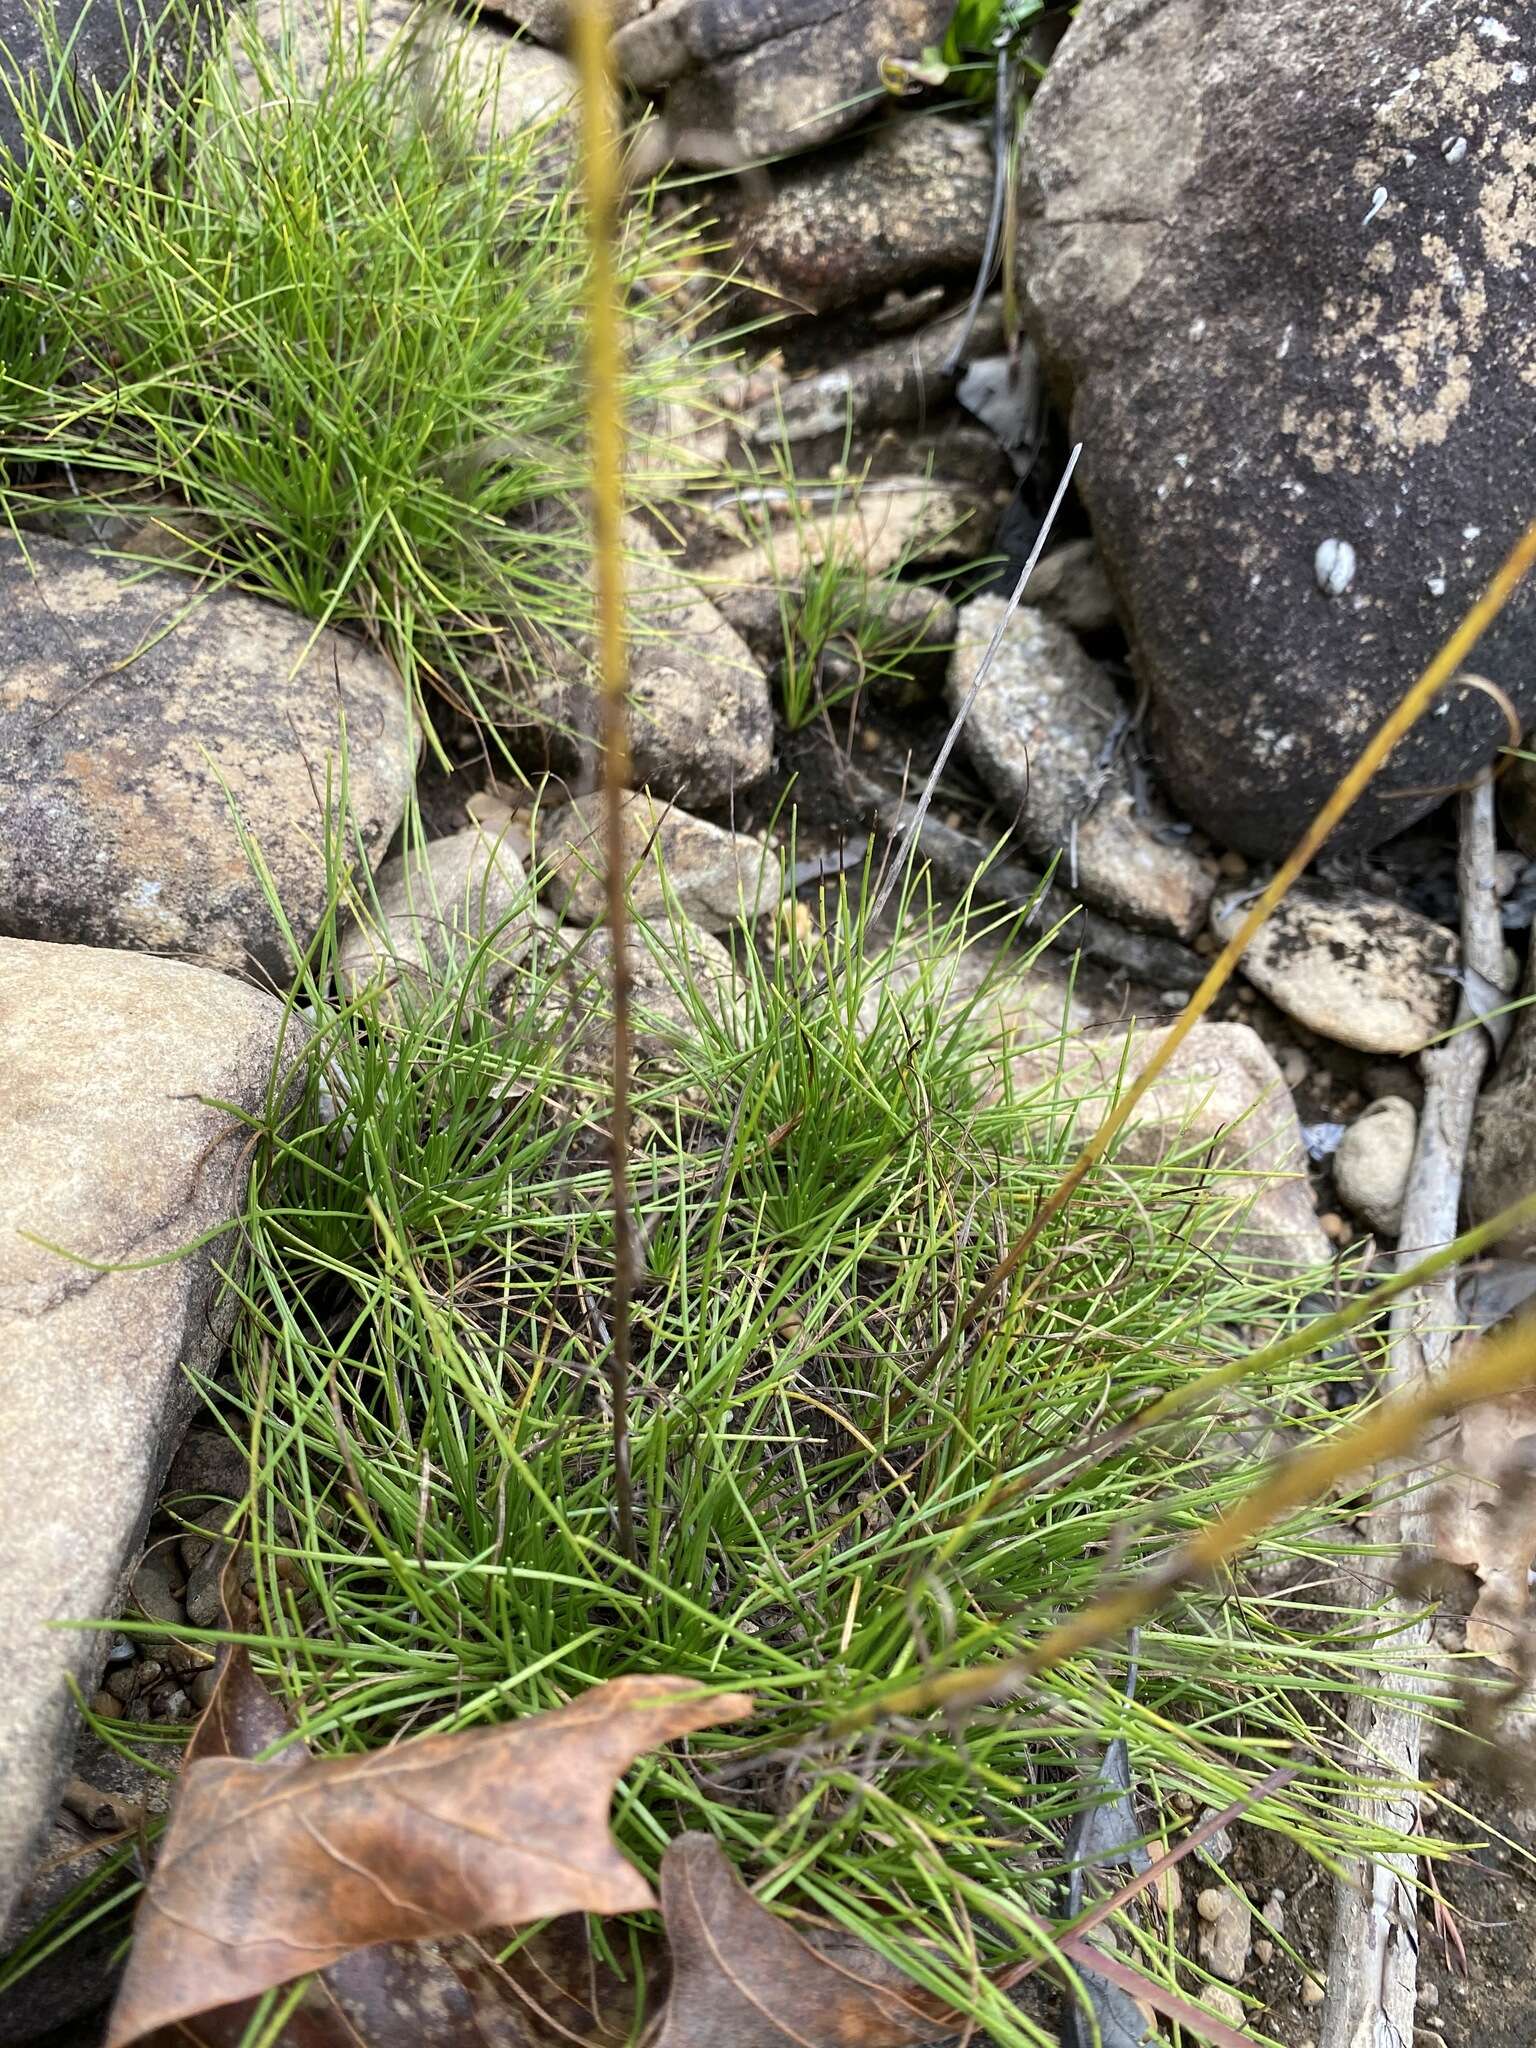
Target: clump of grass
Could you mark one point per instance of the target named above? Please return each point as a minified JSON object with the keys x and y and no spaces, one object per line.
{"x":844,"y":626}
{"x":843,"y":632}
{"x":820,"y":1176}
{"x":325,"y":319}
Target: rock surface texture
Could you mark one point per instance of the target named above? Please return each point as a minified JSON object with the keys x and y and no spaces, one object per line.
{"x":1501,"y":1159}
{"x":106,"y":40}
{"x":1222,"y":1109}
{"x":769,"y":75}
{"x":127,"y":709}
{"x":510,"y":85}
{"x":435,"y":907}
{"x":711,"y":876}
{"x":1286,"y":294}
{"x":700,"y":715}
{"x":1048,"y":734}
{"x":909,"y":200}
{"x":114,"y":1154}
{"x":1357,"y":968}
{"x":1372,"y":1164}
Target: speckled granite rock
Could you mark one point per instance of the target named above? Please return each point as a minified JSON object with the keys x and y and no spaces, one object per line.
{"x":712,"y":876}
{"x":700,"y":715}
{"x":1357,"y":968}
{"x":909,"y":200}
{"x":128,"y":707}
{"x":1043,"y":735}
{"x":767,"y":75}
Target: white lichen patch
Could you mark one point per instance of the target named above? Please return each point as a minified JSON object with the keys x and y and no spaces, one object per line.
{"x":1407,"y":358}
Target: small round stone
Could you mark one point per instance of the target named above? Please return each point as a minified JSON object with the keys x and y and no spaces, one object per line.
{"x":1334,"y":566}
{"x":1373,"y":1162}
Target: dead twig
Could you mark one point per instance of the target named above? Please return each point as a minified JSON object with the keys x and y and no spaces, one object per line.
{"x":899,"y":864}
{"x":1373,"y":1955}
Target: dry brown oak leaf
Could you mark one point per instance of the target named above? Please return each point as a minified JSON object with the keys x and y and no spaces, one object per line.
{"x":743,"y":1977}
{"x":272,"y":1871}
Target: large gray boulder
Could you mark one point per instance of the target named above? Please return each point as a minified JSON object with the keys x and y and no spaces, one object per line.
{"x":765,"y":76}
{"x":1278,"y":259}
{"x":116,"y":1154}
{"x":133,"y":713}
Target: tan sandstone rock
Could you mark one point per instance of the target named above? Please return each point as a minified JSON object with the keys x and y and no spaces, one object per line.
{"x":114,"y":1155}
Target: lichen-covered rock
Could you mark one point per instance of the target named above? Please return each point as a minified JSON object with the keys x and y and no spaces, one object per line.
{"x":1048,"y":735}
{"x":115,"y":1153}
{"x":1277,"y":259}
{"x":769,"y":75}
{"x":909,"y":200}
{"x":700,"y":717}
{"x":1352,"y":967}
{"x":439,"y":906}
{"x":673,"y":862}
{"x":134,"y":713}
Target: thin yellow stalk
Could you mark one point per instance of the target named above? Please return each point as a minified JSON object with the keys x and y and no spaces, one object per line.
{"x":1442,"y":670}
{"x":1501,"y":1365}
{"x":605,"y":399}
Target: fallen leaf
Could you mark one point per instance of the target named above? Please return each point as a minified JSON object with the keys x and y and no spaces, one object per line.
{"x":271,"y":1871}
{"x":1118,"y":2020}
{"x":743,"y":1978}
{"x":1102,"y":1835}
{"x":1107,"y":1831}
{"x":1483,"y":1518}
{"x":242,"y":1718}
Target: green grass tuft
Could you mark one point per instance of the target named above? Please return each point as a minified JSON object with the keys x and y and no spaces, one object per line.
{"x":821,"y":1174}
{"x":325,"y":325}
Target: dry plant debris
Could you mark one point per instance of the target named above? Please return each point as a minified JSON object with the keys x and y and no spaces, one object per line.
{"x":274,"y":1870}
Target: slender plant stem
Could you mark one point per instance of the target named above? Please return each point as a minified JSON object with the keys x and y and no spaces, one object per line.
{"x":1441,"y":670}
{"x":599,"y":150}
